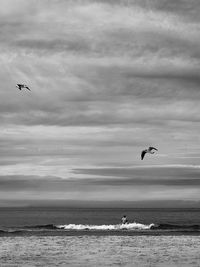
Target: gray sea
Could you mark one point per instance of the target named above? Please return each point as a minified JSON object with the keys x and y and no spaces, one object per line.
{"x":95,"y":237}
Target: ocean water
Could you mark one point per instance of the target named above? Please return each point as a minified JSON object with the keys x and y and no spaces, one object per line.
{"x":54,"y":219}
{"x":95,"y":237}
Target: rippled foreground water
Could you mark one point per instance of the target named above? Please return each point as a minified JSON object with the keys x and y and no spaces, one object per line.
{"x":100,"y":251}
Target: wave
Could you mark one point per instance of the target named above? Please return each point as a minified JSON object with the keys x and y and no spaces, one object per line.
{"x":104,"y":227}
{"x":43,"y":226}
{"x":131,"y":226}
{"x":166,"y":226}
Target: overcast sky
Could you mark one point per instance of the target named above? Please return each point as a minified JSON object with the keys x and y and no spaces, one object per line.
{"x":108,"y":79}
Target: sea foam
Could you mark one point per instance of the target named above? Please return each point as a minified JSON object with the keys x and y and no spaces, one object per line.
{"x":128,"y":226}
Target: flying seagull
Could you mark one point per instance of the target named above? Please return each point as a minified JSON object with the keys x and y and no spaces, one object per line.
{"x":20,"y":86}
{"x":149,"y":150}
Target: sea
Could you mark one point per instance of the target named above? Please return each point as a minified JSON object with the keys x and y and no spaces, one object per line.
{"x":60,"y":236}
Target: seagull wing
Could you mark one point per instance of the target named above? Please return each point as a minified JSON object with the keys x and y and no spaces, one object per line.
{"x":151,"y":148}
{"x":143,"y":154}
{"x":28,"y":88}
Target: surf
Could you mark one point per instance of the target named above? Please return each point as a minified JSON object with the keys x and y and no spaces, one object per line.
{"x":106,"y":227}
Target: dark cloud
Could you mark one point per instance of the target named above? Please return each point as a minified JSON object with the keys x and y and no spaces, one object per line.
{"x":186,"y":9}
{"x":119,"y":61}
{"x":56,"y":184}
{"x":148,"y":173}
{"x":32,"y":183}
{"x":79,"y":45}
{"x":106,"y":189}
{"x":107,"y":79}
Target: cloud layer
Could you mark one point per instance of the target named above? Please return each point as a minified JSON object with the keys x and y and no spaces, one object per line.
{"x":108,"y":78}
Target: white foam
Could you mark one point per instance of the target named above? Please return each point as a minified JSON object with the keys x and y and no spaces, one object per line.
{"x":128,"y":226}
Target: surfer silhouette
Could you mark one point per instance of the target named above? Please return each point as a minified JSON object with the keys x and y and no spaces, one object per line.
{"x":124,"y":220}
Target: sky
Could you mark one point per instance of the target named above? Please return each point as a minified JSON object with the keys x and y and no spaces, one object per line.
{"x":108,"y":79}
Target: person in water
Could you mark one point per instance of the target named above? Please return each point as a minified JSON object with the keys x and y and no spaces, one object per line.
{"x":124,"y":220}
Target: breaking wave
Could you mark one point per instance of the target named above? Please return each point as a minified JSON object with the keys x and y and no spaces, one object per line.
{"x":131,"y":227}
{"x":104,"y":227}
{"x":117,"y":227}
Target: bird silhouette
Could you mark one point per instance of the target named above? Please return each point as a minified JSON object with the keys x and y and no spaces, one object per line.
{"x":149,"y":150}
{"x":21,"y":86}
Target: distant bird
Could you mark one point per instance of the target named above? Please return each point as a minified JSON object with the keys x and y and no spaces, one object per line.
{"x":149,"y":150}
{"x":21,"y":86}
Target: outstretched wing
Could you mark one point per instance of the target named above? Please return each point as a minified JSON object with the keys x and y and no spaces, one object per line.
{"x":19,"y":86}
{"x":28,"y":88}
{"x":143,"y":154}
{"x":151,"y":148}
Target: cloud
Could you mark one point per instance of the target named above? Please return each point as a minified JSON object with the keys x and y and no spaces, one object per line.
{"x":166,"y":174}
{"x":44,"y":189}
{"x":107,"y":79}
{"x":81,"y":66}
